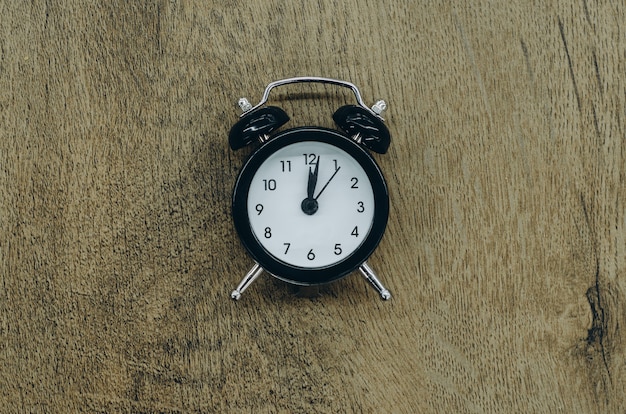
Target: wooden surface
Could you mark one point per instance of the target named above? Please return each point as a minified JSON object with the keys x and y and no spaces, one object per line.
{"x":506,"y":245}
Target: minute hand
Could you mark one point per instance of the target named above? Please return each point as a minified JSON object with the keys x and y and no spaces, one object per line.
{"x":327,"y":182}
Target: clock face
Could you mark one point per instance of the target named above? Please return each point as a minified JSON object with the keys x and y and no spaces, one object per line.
{"x":280,"y":217}
{"x":310,"y":205}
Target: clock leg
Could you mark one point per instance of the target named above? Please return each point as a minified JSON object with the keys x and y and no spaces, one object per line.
{"x":369,"y":274}
{"x":247,"y":281}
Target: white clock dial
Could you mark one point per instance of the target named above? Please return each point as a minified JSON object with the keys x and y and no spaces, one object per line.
{"x":310,"y":237}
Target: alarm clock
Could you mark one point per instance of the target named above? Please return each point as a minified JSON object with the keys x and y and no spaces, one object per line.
{"x":310,"y":204}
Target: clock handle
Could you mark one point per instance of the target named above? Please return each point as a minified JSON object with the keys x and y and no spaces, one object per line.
{"x":311,"y":79}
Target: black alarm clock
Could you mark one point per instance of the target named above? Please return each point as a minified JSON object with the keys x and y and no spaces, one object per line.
{"x":310,"y":205}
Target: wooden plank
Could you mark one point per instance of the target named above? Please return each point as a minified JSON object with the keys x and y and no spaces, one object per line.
{"x":506,"y":245}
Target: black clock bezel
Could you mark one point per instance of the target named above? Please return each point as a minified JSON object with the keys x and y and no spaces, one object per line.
{"x":301,"y":275}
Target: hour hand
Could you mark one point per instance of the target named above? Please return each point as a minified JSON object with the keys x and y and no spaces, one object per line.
{"x":309,"y":204}
{"x":310,"y":190}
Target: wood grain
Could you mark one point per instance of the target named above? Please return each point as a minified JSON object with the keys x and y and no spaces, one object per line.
{"x":505,"y":250}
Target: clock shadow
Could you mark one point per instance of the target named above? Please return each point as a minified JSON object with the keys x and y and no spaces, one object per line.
{"x":351,"y":286}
